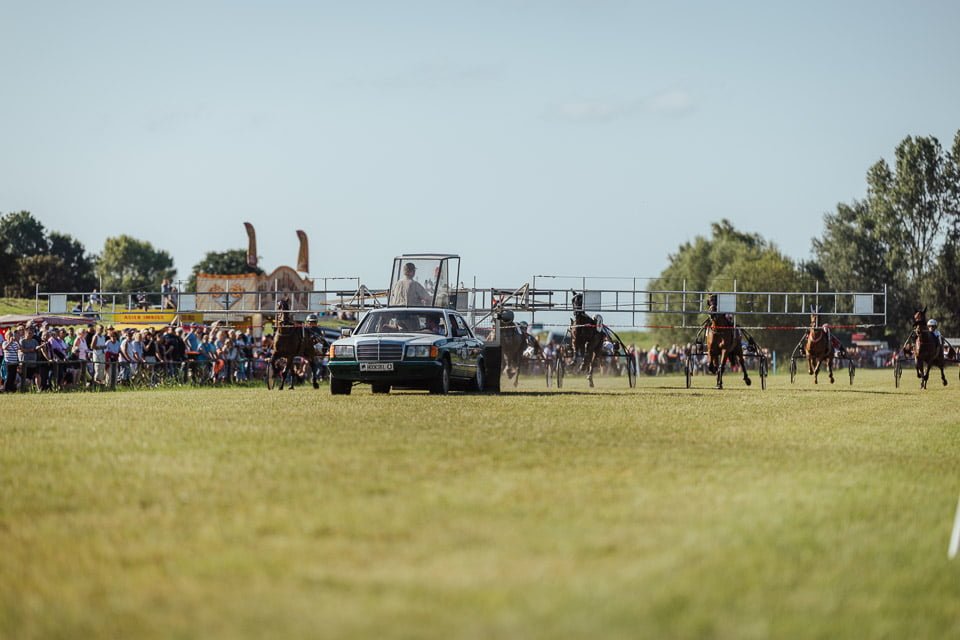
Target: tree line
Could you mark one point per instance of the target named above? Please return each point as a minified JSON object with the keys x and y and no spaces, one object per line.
{"x":904,"y":234}
{"x":32,"y":256}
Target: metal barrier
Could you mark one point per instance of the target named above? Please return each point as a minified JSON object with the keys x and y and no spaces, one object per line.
{"x":629,"y":303}
{"x":88,"y":375}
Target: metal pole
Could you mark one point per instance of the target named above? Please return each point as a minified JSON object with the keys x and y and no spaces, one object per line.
{"x":533,"y":308}
{"x":884,"y":305}
{"x":736,"y":304}
{"x":683,"y":315}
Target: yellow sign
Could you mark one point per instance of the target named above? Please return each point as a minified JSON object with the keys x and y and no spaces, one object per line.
{"x":144,"y":319}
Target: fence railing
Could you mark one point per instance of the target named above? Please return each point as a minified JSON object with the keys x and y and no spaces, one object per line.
{"x":626,"y":302}
{"x":89,"y":375}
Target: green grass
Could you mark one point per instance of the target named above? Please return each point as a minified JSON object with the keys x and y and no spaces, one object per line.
{"x":20,"y":306}
{"x":657,"y":512}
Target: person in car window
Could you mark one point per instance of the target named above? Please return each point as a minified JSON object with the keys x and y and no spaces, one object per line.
{"x":407,"y":292}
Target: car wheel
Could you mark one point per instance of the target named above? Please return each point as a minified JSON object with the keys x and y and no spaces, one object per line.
{"x":340,"y":387}
{"x":442,"y":384}
{"x":480,"y":378}
{"x":380,"y":387}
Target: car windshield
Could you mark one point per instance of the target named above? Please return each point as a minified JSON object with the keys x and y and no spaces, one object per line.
{"x":405,"y":321}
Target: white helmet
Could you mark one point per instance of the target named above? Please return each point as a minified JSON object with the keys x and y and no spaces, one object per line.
{"x":312,"y":317}
{"x":931,"y":323}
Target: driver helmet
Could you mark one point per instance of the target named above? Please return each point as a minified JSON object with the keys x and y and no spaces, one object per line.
{"x":523,"y":324}
{"x":312,"y":317}
{"x":932,"y":323}
{"x":826,"y":326}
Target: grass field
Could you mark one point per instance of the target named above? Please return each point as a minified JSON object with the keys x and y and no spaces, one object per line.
{"x":657,"y":512}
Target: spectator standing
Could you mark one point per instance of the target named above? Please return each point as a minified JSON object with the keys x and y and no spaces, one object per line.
{"x":81,"y":352}
{"x":113,"y":355}
{"x":11,"y":357}
{"x":228,"y":353}
{"x":166,"y":292}
{"x":125,"y":356}
{"x":98,"y":347}
{"x":56,"y":353}
{"x":29,"y":346}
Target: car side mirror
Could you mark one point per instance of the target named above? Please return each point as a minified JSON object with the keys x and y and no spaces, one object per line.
{"x":346,"y":332}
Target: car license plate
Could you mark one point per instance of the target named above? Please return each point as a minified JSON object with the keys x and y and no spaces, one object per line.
{"x":376,"y":366}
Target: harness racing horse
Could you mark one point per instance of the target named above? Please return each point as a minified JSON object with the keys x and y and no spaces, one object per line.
{"x":290,"y":342}
{"x":927,"y":350}
{"x":513,"y":343}
{"x":819,"y":346}
{"x":723,"y":343}
{"x":587,"y":337}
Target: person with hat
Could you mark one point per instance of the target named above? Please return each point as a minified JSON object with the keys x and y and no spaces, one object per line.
{"x":529,"y":340}
{"x":932,"y":328}
{"x":407,"y":292}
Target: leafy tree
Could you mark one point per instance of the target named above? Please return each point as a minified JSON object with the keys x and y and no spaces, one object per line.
{"x":23,"y":241}
{"x":128,"y":264}
{"x":912,"y":203}
{"x":78,"y":264}
{"x":20,"y":235}
{"x":713,"y":264}
{"x":47,"y":271}
{"x":23,"y":235}
{"x":230,"y":262}
{"x":903,"y":235}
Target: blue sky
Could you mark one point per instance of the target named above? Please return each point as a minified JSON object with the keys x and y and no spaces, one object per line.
{"x":587,"y":138}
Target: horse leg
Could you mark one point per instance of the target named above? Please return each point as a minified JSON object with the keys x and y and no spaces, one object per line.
{"x":590,"y":360}
{"x":942,"y":376}
{"x":830,"y":367}
{"x":720,"y":367}
{"x":926,"y":375}
{"x":810,"y":367}
{"x":816,"y":373}
{"x":276,"y":371}
{"x":743,"y":367}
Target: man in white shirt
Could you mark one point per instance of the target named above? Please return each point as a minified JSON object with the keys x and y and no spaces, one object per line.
{"x":407,"y":292}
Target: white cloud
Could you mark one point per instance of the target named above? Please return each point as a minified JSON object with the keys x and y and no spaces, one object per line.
{"x":675,"y":102}
{"x":668,"y":103}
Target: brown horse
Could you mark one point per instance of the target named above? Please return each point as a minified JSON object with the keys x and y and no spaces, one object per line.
{"x":291,"y":342}
{"x":819,"y":347}
{"x":587,"y":337}
{"x":723,"y":343}
{"x":513,"y":343}
{"x":927,"y":349}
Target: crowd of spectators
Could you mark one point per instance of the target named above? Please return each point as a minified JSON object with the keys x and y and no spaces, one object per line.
{"x":44,"y":357}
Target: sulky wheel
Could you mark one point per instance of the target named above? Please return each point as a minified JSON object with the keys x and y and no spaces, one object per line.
{"x":270,"y":373}
{"x":688,"y":371}
{"x":631,"y":371}
{"x":853,"y":370}
{"x":897,"y":372}
{"x":560,"y":367}
{"x":763,"y":374}
{"x":793,"y":369}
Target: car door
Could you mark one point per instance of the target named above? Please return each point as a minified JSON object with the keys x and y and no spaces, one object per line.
{"x":466,"y":356}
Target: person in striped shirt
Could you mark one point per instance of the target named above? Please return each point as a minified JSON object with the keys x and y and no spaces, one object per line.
{"x":11,"y":357}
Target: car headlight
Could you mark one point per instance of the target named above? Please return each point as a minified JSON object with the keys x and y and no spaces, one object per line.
{"x":341,"y":351}
{"x":421,"y":351}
